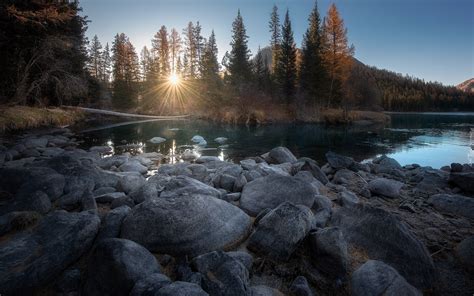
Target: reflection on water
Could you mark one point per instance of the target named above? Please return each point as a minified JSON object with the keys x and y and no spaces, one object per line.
{"x":427,"y":139}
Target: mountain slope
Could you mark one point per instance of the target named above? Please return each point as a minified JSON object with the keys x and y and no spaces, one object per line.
{"x":467,"y":86}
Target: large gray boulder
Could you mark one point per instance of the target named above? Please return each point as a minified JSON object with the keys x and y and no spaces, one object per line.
{"x":385,"y":187}
{"x":309,"y":165}
{"x":150,"y":285}
{"x":385,"y":164}
{"x":375,"y":278}
{"x":183,"y":186}
{"x":223,"y":274}
{"x":280,"y":155}
{"x":32,"y":259}
{"x":453,"y":204}
{"x":116,"y":265}
{"x":329,"y":251}
{"x":337,"y":161}
{"x":280,"y":231}
{"x":464,"y":180}
{"x":300,"y":287}
{"x":186,"y":225}
{"x":383,"y":237}
{"x":133,"y":166}
{"x":272,"y":190}
{"x":465,"y":253}
{"x":113,"y":222}
{"x":181,"y":289}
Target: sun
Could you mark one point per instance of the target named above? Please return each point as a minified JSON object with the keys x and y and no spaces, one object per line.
{"x":174,"y":79}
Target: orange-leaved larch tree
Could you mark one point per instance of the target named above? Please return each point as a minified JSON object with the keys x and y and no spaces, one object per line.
{"x":337,"y":54}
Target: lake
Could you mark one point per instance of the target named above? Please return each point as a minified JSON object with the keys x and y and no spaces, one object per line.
{"x":429,"y":139}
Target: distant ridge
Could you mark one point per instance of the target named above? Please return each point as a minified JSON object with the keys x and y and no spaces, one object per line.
{"x":467,"y":86}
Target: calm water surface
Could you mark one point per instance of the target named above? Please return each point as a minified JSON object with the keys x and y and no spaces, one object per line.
{"x":429,"y":139}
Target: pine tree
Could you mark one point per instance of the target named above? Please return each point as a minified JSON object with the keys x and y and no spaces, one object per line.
{"x":286,"y":63}
{"x":145,"y":64}
{"x":175,"y":47}
{"x":199,"y":44}
{"x":106,"y":65}
{"x":162,"y":50}
{"x":239,"y":66}
{"x":95,"y":57}
{"x":125,"y":72}
{"x":260,"y":70}
{"x":209,"y":64}
{"x":275,"y":31}
{"x":312,"y":70}
{"x":337,"y":54}
{"x":190,"y":61}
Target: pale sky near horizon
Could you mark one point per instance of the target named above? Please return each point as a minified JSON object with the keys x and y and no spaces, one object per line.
{"x":428,"y":39}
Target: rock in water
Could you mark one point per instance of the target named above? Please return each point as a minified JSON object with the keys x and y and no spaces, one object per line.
{"x":377,"y":278}
{"x":116,"y":265}
{"x":272,"y":190}
{"x":32,"y":259}
{"x":281,"y":155}
{"x":186,"y":225}
{"x":157,"y":140}
{"x":453,"y":204}
{"x":385,"y":187}
{"x":279,"y":232}
{"x":220,"y":140}
{"x":338,"y":161}
{"x":383,"y":237}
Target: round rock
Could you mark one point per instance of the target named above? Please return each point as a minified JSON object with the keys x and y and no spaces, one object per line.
{"x":186,"y":225}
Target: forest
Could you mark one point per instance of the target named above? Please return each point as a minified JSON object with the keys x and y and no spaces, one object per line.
{"x":47,"y":60}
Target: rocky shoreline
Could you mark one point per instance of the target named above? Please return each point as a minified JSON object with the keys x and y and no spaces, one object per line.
{"x":73,"y":222}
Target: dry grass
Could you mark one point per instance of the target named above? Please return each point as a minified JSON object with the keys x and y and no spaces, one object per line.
{"x":23,"y":117}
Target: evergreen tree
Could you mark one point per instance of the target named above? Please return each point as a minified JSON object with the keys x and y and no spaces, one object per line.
{"x":199,"y":43}
{"x":95,"y":57}
{"x":145,"y":64}
{"x":106,"y":65}
{"x":261,"y":72}
{"x":275,"y":31}
{"x":239,"y":66}
{"x":337,"y":54}
{"x":190,"y":61}
{"x":125,"y":72}
{"x":286,"y":62}
{"x":161,"y":48}
{"x":209,"y":64}
{"x":312,"y":70}
{"x":175,"y":47}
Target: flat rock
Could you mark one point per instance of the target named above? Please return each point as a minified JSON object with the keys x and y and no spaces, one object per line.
{"x":377,"y":278}
{"x":33,"y":259}
{"x":385,"y":187}
{"x":157,"y":140}
{"x":182,"y":289}
{"x":272,"y":190}
{"x":280,"y":231}
{"x":383,"y":237}
{"x":208,"y":224}
{"x":337,"y":161}
{"x":453,"y":204}
{"x":116,"y":265}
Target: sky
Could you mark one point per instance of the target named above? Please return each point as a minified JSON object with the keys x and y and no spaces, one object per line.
{"x":428,"y":39}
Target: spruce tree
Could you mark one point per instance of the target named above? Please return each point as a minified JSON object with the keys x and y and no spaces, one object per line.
{"x":239,"y":66}
{"x":175,"y":48}
{"x":261,"y":72}
{"x":190,"y":60}
{"x":275,"y":31}
{"x":312,"y":71}
{"x":125,"y":72}
{"x":95,"y":57}
{"x":209,"y":64}
{"x":106,"y":61}
{"x":286,"y":62}
{"x":161,"y":48}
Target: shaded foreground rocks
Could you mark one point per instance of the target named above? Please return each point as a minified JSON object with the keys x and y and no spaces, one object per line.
{"x":136,"y":226}
{"x":272,"y":190}
{"x":116,"y":265}
{"x":186,"y":225}
{"x":377,"y":278}
{"x":31,"y":259}
{"x":281,"y":230}
{"x":385,"y":238}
